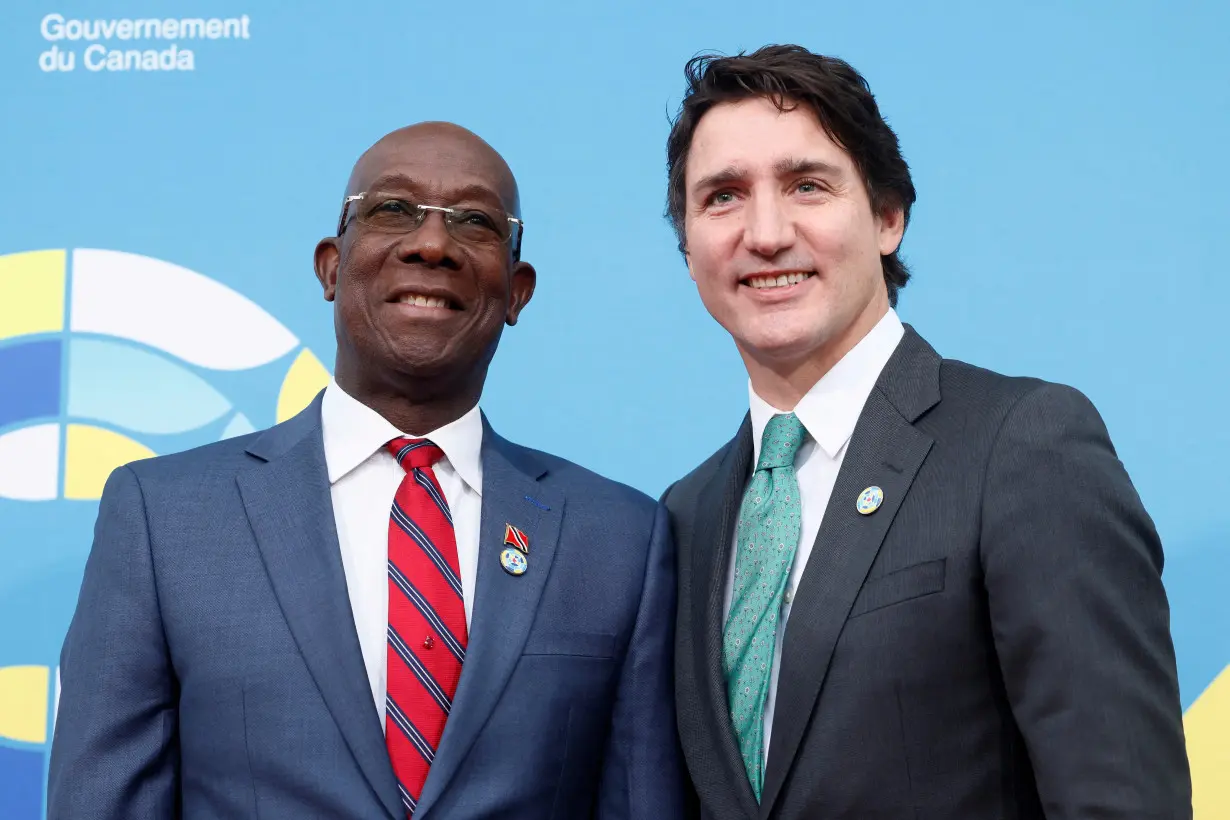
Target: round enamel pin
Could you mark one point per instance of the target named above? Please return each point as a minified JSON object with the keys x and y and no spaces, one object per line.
{"x":513,"y":562}
{"x":870,"y":500}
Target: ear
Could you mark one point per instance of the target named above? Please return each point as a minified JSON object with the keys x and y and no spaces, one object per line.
{"x":328,"y":254}
{"x":892,"y":227}
{"x":687,"y":258}
{"x":522,"y":281}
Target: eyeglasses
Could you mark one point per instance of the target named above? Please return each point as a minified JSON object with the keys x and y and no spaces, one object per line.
{"x":391,"y":213}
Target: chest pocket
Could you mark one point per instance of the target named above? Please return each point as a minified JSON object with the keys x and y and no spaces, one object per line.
{"x":897,"y":587}
{"x":598,"y":645}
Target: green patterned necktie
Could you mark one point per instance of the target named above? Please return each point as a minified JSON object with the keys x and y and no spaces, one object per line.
{"x":767,"y":535}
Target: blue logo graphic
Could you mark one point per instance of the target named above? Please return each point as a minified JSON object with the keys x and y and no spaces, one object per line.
{"x":105,"y":357}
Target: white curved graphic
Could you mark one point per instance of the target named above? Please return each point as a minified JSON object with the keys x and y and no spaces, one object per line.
{"x":29,"y":463}
{"x":174,"y":309}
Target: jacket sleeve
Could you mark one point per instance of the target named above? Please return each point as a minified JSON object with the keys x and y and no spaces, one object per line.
{"x":1080,"y":618}
{"x":114,"y":750}
{"x":642,"y":773}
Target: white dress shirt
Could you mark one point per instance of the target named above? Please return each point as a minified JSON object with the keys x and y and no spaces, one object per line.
{"x":363,"y":478}
{"x":828,"y":412}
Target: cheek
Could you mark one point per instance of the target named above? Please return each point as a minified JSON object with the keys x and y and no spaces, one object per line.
{"x":359,"y":265}
{"x":710,"y":255}
{"x":711,"y":285}
{"x":845,"y":245}
{"x":351,"y":297}
{"x":833,"y":238}
{"x":494,"y":293}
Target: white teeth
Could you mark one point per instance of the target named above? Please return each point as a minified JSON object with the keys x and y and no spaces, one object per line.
{"x":423,"y":301}
{"x":779,"y":281}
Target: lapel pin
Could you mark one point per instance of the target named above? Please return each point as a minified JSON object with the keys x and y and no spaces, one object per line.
{"x":513,"y":562}
{"x":513,"y":537}
{"x":870,"y":500}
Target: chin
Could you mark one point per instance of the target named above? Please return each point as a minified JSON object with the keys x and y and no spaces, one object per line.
{"x":421,"y":366}
{"x":783,"y":341}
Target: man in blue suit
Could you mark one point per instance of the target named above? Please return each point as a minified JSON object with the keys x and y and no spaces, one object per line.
{"x":379,"y":608}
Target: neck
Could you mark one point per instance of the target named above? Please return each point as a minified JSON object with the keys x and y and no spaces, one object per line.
{"x":415,"y":406}
{"x":783,"y":381}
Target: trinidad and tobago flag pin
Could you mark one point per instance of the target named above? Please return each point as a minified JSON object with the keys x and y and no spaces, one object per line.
{"x":513,"y":537}
{"x":517,"y":547}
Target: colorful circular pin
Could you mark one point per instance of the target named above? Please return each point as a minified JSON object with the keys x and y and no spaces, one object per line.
{"x":513,"y":562}
{"x":870,"y":500}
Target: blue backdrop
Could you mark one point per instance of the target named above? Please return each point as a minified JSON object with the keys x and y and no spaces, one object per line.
{"x":1071,"y":211}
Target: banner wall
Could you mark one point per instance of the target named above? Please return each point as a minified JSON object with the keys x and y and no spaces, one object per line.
{"x":167,"y":169}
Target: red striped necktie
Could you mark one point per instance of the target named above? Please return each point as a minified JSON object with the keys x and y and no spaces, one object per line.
{"x":427,"y":624}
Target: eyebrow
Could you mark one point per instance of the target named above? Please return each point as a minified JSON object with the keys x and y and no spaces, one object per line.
{"x":791,"y":166}
{"x":788,"y":166}
{"x":729,"y":174}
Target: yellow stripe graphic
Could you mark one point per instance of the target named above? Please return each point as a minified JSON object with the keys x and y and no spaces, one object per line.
{"x":23,"y":703}
{"x":32,"y":293}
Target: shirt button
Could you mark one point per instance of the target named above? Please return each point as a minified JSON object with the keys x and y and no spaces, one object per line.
{"x":789,"y":596}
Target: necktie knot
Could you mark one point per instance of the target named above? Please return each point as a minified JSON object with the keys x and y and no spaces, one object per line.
{"x":783,"y":436}
{"x":414,"y":453}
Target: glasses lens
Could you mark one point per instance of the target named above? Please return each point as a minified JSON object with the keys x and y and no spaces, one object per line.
{"x":517,"y":232}
{"x":387,"y":212}
{"x":478,"y":227}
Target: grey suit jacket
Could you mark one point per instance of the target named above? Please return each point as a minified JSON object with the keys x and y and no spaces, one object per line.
{"x":212,"y":669}
{"x":992,"y":642}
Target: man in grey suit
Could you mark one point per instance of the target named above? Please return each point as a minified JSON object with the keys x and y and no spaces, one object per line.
{"x":379,"y":608}
{"x":909,"y":587}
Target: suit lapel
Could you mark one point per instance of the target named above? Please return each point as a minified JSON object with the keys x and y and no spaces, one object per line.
{"x":718,"y":511}
{"x":886,"y":450}
{"x":504,"y":605}
{"x":286,"y":496}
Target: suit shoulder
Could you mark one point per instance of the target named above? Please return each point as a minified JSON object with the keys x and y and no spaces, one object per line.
{"x":974,"y":391}
{"x":197,"y":463}
{"x":683,"y":493}
{"x":958,"y":377}
{"x":223,"y":458}
{"x":701,"y":473}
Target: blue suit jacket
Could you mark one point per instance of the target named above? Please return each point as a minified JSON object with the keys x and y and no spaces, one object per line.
{"x":212,"y":668}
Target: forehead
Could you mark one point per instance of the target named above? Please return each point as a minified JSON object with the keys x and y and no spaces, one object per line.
{"x":754,"y":136}
{"x":435,"y":166}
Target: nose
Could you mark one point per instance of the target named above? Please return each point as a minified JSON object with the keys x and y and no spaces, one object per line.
{"x":430,"y":244}
{"x":769,"y":229}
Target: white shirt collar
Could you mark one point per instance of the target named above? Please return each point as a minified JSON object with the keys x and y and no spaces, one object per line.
{"x":830,"y":409}
{"x":353,"y":432}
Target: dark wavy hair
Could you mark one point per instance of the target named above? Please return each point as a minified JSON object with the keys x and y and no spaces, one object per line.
{"x":791,"y":76}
